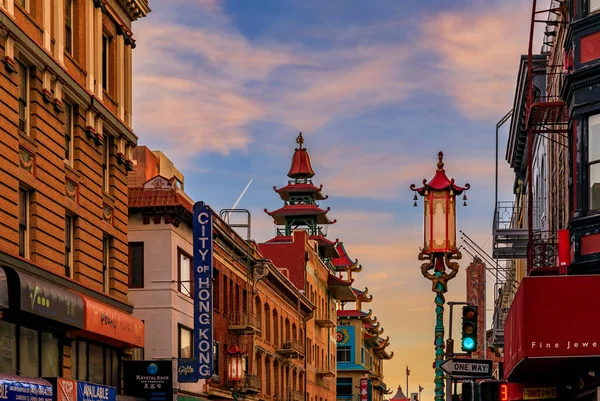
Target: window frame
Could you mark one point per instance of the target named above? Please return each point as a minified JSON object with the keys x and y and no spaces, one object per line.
{"x":106,"y":264}
{"x":105,"y":61}
{"x":24,"y":4}
{"x":343,"y":351}
{"x":131,"y":265}
{"x":190,"y":284}
{"x":69,"y":245}
{"x":593,"y":8}
{"x":106,"y":163}
{"x":24,"y":73}
{"x":69,"y":27}
{"x":589,"y":164}
{"x":180,"y":329}
{"x":69,"y":129}
{"x":216,"y":360}
{"x":25,"y":223}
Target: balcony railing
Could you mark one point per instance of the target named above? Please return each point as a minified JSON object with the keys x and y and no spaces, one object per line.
{"x":245,"y":321}
{"x":544,"y":253}
{"x":252,"y":384}
{"x":326,"y":321}
{"x":321,"y":231}
{"x":296,"y":395}
{"x":504,"y":296}
{"x":325,"y":371}
{"x":291,"y":349}
{"x":510,"y":240}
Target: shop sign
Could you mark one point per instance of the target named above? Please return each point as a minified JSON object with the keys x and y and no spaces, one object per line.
{"x":539,"y":393}
{"x":152,"y":380}
{"x":51,"y":301}
{"x":73,"y":390}
{"x":203,"y":307}
{"x":25,"y":390}
{"x":187,"y":371}
{"x":110,"y":322}
{"x":365,"y":390}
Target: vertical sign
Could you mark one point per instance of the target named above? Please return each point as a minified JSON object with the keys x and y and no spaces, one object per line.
{"x":203,"y":319}
{"x":364,"y":389}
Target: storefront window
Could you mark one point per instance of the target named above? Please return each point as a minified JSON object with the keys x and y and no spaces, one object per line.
{"x":594,"y":161}
{"x":96,"y":364}
{"x":50,"y":355}
{"x":8,"y":348}
{"x":29,"y":356}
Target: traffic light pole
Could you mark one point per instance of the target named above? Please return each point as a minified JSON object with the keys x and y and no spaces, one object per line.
{"x":450,"y":348}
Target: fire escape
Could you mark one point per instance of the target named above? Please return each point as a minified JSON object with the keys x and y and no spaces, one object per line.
{"x":538,"y":113}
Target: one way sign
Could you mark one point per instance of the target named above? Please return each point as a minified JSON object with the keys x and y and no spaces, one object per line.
{"x":468,"y":367}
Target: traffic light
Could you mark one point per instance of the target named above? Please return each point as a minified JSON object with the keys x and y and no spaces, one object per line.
{"x":493,"y":390}
{"x":467,"y":391}
{"x":469,"y":329}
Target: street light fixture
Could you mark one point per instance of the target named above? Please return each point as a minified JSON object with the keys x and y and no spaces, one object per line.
{"x":439,"y":247}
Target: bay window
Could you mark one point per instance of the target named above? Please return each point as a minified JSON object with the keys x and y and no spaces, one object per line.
{"x":593,"y":161}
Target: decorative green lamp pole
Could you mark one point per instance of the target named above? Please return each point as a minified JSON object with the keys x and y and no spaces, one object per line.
{"x":439,"y":247}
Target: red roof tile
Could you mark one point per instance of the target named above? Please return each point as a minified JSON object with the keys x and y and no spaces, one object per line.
{"x":142,"y":198}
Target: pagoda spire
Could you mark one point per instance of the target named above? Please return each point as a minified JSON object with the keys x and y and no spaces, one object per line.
{"x":300,"y":210}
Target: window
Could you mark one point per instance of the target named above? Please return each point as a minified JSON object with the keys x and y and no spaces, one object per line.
{"x":594,"y":5}
{"x":69,"y":231}
{"x":23,"y":97}
{"x":69,"y":26}
{"x":24,"y":4}
{"x":594,"y":161}
{"x":8,"y":348}
{"x":69,"y":134}
{"x":216,"y":359}
{"x":136,"y":265}
{"x":343,"y":354}
{"x":185,"y":342}
{"x":95,"y":363}
{"x":23,"y":223}
{"x":185,"y":273}
{"x":106,"y":164}
{"x":105,"y":61}
{"x":50,"y":355}
{"x":106,"y":264}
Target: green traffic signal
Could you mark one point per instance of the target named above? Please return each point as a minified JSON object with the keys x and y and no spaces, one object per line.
{"x":469,"y":329}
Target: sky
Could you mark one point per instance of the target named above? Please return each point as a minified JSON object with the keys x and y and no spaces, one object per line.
{"x":377,"y":89}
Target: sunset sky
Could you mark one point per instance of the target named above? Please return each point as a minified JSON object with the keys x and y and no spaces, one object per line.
{"x":377,"y":88}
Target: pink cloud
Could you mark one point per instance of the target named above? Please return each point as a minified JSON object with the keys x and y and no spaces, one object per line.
{"x":479,"y":53}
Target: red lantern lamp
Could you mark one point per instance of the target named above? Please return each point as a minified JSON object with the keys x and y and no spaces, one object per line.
{"x":236,"y":364}
{"x":440,"y":211}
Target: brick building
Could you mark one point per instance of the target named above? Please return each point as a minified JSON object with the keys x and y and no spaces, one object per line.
{"x":255,"y":305}
{"x":65,"y":90}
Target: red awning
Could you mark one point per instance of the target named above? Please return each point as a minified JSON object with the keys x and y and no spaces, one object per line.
{"x":106,"y":321}
{"x":553,"y":326}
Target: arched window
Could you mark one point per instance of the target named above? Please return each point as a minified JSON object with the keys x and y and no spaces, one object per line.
{"x":267,"y":328}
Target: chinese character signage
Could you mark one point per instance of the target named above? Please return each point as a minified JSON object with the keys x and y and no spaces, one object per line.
{"x":202,"y":287}
{"x":365,"y":390}
{"x":27,"y":389}
{"x":152,"y":380}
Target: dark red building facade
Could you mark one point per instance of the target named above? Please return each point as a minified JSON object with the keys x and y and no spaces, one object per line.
{"x":548,"y":239}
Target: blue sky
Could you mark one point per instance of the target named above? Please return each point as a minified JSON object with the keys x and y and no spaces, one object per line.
{"x":377,"y":88}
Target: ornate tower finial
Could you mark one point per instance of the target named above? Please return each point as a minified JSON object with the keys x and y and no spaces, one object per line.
{"x":440,"y":164}
{"x":300,"y":140}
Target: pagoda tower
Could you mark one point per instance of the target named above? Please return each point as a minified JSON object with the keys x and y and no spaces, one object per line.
{"x":301,"y":210}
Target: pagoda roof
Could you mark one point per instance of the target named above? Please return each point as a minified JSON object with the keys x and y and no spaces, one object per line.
{"x":280,"y":214}
{"x":344,"y":262}
{"x":362,"y":295}
{"x":340,"y":289}
{"x":301,"y":166}
{"x":355,"y":313}
{"x":291,"y":188}
{"x":440,"y":181}
{"x":399,"y":395}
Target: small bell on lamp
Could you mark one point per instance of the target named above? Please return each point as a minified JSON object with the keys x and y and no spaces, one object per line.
{"x":465,"y":200}
{"x":415,"y":199}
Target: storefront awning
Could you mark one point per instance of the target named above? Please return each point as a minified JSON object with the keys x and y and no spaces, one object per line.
{"x":25,"y":388}
{"x":104,"y":320}
{"x":40,"y":297}
{"x":553,"y":327}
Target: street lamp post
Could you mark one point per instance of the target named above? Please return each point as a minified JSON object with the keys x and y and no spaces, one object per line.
{"x":439,"y":248}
